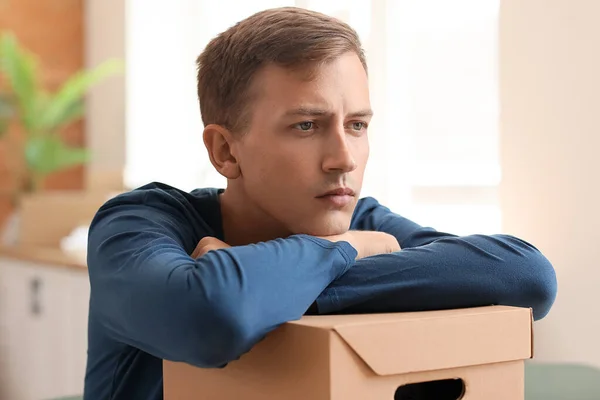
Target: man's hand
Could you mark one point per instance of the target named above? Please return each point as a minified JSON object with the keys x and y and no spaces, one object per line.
{"x":207,"y":244}
{"x":367,"y":243}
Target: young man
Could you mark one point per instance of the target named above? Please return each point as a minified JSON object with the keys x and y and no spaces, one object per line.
{"x":201,"y":277}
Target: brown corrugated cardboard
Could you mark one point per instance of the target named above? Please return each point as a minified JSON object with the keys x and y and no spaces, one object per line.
{"x":369,"y":357}
{"x":47,"y":217}
{"x":104,"y":180}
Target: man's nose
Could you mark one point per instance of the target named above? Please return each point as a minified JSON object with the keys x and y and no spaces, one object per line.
{"x":338,"y":154}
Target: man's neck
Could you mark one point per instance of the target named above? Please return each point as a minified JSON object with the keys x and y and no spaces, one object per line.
{"x":244,"y":223}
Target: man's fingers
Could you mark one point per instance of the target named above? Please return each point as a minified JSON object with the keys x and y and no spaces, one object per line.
{"x":207,"y":244}
{"x":198,"y":251}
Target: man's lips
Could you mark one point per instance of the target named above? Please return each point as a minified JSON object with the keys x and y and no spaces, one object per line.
{"x":338,"y":198}
{"x":339,"y":192}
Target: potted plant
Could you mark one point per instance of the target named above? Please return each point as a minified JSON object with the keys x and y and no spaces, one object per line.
{"x":40,"y":115}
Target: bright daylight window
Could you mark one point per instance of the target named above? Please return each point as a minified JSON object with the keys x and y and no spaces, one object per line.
{"x":434,"y":89}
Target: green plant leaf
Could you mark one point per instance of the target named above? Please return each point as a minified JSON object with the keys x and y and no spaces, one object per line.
{"x":74,"y":112}
{"x":20,"y":69}
{"x":67,"y":105}
{"x":46,"y":154}
{"x":7,"y":111}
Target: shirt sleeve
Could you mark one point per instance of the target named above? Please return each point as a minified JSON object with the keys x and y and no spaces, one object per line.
{"x":436,"y":270}
{"x":149,"y":293}
{"x":369,"y":215}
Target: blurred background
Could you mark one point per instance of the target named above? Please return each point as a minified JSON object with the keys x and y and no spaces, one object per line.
{"x":493,"y":106}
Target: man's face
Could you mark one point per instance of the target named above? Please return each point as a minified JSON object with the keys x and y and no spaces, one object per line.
{"x":303,"y":157}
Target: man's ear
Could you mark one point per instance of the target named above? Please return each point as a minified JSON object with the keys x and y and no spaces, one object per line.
{"x":218,"y":141}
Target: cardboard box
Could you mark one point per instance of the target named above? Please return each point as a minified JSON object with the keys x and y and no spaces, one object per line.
{"x":479,"y":351}
{"x":104,"y":180}
{"x":48,"y":216}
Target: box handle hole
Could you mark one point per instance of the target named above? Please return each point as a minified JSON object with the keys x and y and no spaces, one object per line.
{"x":446,"y":389}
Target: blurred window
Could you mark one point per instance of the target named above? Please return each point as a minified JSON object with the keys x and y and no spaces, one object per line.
{"x":434,"y":88}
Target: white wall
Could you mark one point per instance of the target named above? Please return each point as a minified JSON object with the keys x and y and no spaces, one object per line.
{"x":550,"y":145}
{"x":104,"y":22}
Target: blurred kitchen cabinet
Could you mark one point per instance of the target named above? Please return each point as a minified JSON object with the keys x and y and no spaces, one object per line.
{"x":78,"y":314}
{"x":43,"y":328}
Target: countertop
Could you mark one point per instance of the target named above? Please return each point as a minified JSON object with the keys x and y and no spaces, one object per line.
{"x":49,"y":256}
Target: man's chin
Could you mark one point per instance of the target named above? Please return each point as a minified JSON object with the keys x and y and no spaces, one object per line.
{"x":329,"y":229}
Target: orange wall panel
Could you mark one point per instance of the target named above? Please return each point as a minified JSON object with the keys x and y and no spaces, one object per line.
{"x":52,"y":29}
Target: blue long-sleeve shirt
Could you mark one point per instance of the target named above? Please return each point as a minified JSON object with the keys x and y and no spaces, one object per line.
{"x":150,"y":300}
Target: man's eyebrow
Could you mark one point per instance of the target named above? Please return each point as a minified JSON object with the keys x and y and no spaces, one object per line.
{"x":318,"y":112}
{"x":366,"y":113}
{"x":307,"y":111}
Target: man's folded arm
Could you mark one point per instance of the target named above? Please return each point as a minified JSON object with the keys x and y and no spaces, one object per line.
{"x":436,"y":270}
{"x":149,"y":293}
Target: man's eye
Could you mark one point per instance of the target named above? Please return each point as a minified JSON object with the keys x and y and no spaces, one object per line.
{"x":305,"y":126}
{"x":357,"y":126}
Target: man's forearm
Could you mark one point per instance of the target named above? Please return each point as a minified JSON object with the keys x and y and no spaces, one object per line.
{"x":452,"y":272}
{"x":149,"y":293}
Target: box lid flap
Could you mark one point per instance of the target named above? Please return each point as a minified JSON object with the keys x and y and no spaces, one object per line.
{"x":423,"y":341}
